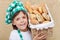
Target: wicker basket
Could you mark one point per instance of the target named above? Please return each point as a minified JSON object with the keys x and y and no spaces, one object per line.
{"x":48,"y":32}
{"x":40,"y":33}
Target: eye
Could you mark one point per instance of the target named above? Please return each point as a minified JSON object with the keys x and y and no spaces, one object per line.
{"x":17,"y":19}
{"x":24,"y":17}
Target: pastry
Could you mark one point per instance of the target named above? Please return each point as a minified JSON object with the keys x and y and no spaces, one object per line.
{"x":32,"y":16}
{"x":34,"y":21}
{"x":38,"y":16}
{"x":40,"y":10}
{"x":44,"y":10}
{"x":46,"y":21}
{"x":46,"y":16}
{"x":43,"y":7}
{"x":28,"y":7}
{"x":34,"y":7}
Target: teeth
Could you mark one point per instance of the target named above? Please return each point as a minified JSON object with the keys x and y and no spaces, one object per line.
{"x":22,"y":24}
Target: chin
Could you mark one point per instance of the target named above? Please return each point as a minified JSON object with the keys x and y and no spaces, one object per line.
{"x":23,"y":27}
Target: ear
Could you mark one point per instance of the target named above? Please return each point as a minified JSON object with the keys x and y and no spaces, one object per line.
{"x":13,"y":22}
{"x":28,"y":14}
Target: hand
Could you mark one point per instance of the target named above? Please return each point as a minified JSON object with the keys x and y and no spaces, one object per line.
{"x":40,"y":36}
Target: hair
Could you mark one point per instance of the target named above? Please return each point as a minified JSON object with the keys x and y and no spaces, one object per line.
{"x":14,"y":26}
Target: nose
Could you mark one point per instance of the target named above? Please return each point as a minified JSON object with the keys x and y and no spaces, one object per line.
{"x":21,"y":20}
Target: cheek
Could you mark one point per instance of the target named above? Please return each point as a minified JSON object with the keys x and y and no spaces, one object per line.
{"x":17,"y":23}
{"x":26,"y":20}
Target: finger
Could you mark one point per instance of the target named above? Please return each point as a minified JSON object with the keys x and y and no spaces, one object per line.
{"x":41,"y":34}
{"x":38,"y":35}
{"x":42,"y":37}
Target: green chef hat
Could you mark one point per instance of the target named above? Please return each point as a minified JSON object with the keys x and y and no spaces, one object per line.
{"x":14,"y":7}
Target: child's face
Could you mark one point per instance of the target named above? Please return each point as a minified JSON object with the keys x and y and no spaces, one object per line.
{"x":20,"y":21}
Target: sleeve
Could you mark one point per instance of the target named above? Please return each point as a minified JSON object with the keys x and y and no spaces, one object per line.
{"x":13,"y":36}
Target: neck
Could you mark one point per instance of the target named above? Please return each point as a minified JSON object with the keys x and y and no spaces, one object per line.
{"x":24,"y":30}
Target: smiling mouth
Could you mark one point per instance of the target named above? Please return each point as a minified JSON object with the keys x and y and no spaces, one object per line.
{"x":22,"y":24}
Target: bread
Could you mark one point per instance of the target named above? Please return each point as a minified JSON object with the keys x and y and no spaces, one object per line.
{"x":44,"y":9}
{"x":46,"y":21}
{"x":46,"y":16}
{"x":28,"y":7}
{"x":34,"y":7}
{"x":38,"y":16}
{"x":40,"y":10}
{"x":32,"y":16}
{"x":34,"y":21}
